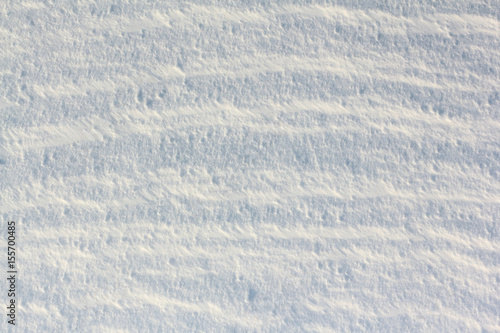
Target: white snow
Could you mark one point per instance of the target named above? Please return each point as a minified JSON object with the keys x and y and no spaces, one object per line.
{"x":291,"y":166}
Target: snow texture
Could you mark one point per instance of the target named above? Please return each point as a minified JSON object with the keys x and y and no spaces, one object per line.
{"x":252,"y":166}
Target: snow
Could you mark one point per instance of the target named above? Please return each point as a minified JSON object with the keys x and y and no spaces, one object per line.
{"x":291,"y":166}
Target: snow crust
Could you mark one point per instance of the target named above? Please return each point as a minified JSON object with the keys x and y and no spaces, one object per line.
{"x":252,"y":166}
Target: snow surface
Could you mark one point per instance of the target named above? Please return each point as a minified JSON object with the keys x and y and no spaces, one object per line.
{"x":252,"y":166}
